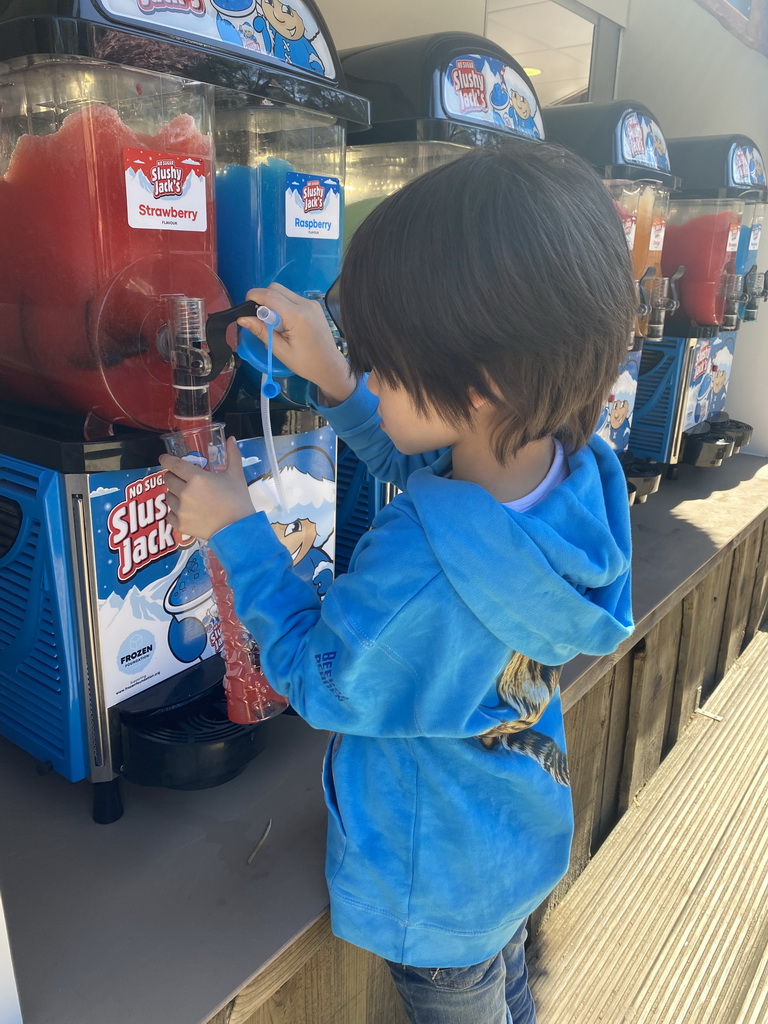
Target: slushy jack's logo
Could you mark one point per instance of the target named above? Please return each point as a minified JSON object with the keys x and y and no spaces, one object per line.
{"x":166,"y":179}
{"x":635,"y":137}
{"x":313,"y":195}
{"x":702,"y":361}
{"x":138,"y":528}
{"x":469,"y":84}
{"x":178,"y":6}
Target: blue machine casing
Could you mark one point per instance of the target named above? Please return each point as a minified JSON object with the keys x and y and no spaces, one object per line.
{"x":359,"y":499}
{"x":41,"y":693}
{"x":657,"y":402}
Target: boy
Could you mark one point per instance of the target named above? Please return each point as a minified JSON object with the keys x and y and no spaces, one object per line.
{"x":491,"y":301}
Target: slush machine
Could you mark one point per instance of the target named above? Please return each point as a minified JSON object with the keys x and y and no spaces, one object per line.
{"x":623,"y":140}
{"x":714,"y":232}
{"x":120,"y":122}
{"x":432,"y":99}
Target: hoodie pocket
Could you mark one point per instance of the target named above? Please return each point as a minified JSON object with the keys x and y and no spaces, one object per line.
{"x":337,"y":835}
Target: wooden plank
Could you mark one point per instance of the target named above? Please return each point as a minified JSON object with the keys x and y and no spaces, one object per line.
{"x":670,"y":920}
{"x":339,"y":984}
{"x":703,"y":614}
{"x":586,"y":730}
{"x":653,"y":674}
{"x":222,"y":1017}
{"x":275,"y":973}
{"x":759,"y":605}
{"x":739,"y":601}
{"x":586,"y":733}
{"x":608,"y":810}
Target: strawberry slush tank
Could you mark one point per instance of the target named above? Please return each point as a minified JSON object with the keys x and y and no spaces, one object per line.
{"x":702,"y":235}
{"x":107,"y":204}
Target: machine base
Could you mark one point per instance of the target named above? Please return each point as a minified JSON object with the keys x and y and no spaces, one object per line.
{"x":107,"y":802}
{"x":193,"y":748}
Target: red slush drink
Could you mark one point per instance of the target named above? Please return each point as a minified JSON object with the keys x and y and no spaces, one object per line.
{"x":250,"y":698}
{"x":80,"y":308}
{"x":701,"y":245}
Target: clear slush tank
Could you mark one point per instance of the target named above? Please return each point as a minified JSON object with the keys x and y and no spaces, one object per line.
{"x":703,"y":236}
{"x":266,"y":157}
{"x":106,"y":201}
{"x":750,"y":234}
{"x":257,"y":148}
{"x":378,"y":170}
{"x":643,"y":207}
{"x":746,"y":259}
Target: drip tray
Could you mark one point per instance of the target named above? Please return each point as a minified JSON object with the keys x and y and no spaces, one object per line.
{"x":644,"y":477}
{"x":707,"y":449}
{"x":741,"y":433}
{"x":196,"y":747}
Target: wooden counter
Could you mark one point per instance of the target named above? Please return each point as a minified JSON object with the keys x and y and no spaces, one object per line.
{"x":159,"y":919}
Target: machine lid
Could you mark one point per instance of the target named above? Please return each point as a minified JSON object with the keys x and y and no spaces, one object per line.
{"x":283,"y":55}
{"x":720,"y":166}
{"x":622,"y":139}
{"x":453,"y":77}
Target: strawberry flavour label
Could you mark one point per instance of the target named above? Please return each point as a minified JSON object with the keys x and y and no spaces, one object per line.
{"x":165,"y":190}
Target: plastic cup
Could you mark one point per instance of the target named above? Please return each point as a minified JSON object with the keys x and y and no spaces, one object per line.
{"x":204,"y":445}
{"x":250,"y":698}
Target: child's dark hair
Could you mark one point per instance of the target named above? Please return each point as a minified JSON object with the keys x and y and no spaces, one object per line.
{"x":503,"y":274}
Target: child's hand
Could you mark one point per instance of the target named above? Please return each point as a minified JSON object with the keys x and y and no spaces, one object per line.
{"x":304,"y":342}
{"x":199,"y":502}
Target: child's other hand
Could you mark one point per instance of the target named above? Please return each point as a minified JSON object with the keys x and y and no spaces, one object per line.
{"x":200,"y":502}
{"x":304,"y":341}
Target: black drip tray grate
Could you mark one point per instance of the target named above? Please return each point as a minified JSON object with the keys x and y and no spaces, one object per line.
{"x":193,"y":750}
{"x":203,"y":725}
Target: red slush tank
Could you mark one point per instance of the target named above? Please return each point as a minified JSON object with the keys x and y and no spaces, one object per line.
{"x":106,"y":203}
{"x":702,"y":235}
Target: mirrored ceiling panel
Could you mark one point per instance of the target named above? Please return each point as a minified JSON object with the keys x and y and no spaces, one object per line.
{"x":552,"y":43}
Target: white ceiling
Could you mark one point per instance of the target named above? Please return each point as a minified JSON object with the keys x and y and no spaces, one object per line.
{"x":542,"y":34}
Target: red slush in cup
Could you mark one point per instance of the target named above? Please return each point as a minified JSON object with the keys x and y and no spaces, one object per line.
{"x":250,"y":698}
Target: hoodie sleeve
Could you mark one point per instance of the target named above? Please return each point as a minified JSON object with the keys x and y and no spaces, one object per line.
{"x":344,"y":664}
{"x":357,"y":423}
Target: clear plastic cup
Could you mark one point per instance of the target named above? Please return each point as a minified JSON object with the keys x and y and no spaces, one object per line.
{"x":250,"y":698}
{"x":204,"y":444}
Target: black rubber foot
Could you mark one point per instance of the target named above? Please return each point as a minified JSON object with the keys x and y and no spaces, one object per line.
{"x":107,"y":802}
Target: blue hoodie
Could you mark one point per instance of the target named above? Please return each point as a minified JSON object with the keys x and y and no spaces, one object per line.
{"x":434,"y":660}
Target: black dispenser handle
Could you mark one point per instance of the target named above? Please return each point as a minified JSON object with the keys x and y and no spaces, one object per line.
{"x":216,"y":325}
{"x":645,"y":299}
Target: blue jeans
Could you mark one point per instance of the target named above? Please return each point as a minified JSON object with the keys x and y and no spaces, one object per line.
{"x":492,"y":992}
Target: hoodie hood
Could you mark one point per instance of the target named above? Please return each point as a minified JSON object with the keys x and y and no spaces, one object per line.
{"x":551,"y":582}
